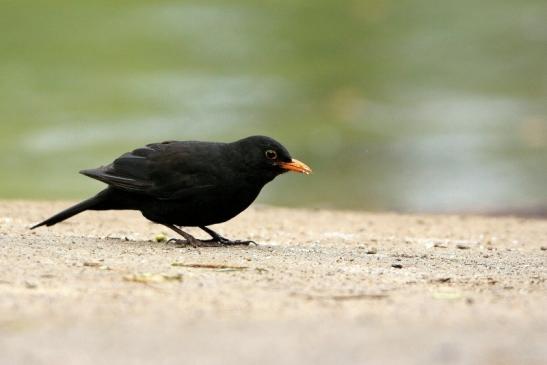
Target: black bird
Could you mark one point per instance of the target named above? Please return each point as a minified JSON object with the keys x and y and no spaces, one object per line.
{"x":188,"y":183}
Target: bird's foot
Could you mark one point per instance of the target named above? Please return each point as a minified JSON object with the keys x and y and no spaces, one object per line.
{"x":184,"y":243}
{"x":221,"y":241}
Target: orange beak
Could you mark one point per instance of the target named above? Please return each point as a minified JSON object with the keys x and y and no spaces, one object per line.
{"x":296,"y":166}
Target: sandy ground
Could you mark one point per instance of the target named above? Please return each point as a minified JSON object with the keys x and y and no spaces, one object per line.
{"x":321,"y":287}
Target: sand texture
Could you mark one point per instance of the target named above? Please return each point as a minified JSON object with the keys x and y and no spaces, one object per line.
{"x":321,"y":287}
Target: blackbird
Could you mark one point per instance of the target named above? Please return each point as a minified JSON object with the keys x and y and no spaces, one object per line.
{"x":188,"y":183}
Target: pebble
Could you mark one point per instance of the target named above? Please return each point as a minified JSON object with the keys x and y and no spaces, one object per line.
{"x":397,"y":266}
{"x":30,"y":285}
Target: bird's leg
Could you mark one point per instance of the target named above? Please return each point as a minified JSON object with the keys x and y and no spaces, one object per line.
{"x":221,"y":241}
{"x":217,"y":240}
{"x":213,"y":234}
{"x":190,"y":240}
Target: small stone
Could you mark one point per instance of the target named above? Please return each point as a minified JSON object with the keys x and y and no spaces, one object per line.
{"x":372,"y":251}
{"x":397,"y":266}
{"x":543,"y":248}
{"x":462,"y":247}
{"x":30,"y":285}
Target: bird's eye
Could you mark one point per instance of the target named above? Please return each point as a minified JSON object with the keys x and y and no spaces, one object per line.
{"x":271,"y":154}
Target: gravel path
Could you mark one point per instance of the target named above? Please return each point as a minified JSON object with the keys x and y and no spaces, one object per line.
{"x":321,"y":287}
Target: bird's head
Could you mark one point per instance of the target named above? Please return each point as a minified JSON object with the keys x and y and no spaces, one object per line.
{"x":268,"y":157}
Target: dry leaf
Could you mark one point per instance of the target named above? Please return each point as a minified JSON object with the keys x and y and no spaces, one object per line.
{"x":147,"y":278}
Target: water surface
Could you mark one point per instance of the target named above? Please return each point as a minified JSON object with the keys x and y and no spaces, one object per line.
{"x":408,"y":105}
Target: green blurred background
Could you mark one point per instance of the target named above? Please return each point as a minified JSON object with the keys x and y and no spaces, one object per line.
{"x":422,"y":105}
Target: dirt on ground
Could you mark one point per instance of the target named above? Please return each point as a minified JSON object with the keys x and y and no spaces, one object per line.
{"x":320,"y":287}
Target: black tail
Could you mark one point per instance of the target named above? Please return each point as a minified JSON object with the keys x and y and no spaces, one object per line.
{"x":91,"y":203}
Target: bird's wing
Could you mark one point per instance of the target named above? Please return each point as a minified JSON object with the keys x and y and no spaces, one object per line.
{"x":168,"y":170}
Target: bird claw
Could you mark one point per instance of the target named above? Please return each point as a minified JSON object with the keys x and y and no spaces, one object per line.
{"x":248,"y":243}
{"x":226,"y":242}
{"x":238,"y":243}
{"x":183,"y":243}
